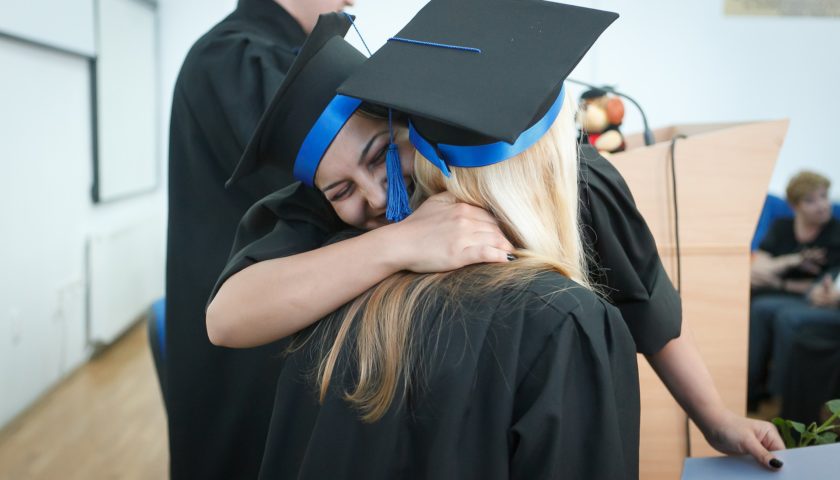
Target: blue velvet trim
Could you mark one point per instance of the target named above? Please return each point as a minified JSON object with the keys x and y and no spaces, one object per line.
{"x":444,"y":156}
{"x":321,"y":135}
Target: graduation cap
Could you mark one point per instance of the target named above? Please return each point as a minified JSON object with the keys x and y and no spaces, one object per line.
{"x":305,"y":114}
{"x":481,"y":80}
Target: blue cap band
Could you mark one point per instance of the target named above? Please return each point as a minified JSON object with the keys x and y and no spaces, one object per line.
{"x":321,"y":135}
{"x":443,"y":156}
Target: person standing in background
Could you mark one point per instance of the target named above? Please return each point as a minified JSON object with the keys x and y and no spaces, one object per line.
{"x":219,"y":400}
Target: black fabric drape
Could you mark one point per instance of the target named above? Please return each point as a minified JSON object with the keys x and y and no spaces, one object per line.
{"x":218,"y":400}
{"x":534,"y":381}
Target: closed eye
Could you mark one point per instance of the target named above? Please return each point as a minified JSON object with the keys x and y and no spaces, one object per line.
{"x":343,"y":192}
{"x":380,"y":157}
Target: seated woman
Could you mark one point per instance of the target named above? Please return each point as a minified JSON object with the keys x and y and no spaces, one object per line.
{"x":270,"y":289}
{"x":791,"y":259}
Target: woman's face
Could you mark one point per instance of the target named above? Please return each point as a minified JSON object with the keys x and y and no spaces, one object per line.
{"x":814,"y":208}
{"x":352,"y":174}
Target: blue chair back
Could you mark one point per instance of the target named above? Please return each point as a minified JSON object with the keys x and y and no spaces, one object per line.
{"x":156,"y":324}
{"x":774,"y":208}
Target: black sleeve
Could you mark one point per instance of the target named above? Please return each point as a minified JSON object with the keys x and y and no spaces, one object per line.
{"x":625,"y":260}
{"x":773,"y":241}
{"x":832,"y":245}
{"x":587,"y":364}
{"x":290,"y":221}
{"x":228,"y":80}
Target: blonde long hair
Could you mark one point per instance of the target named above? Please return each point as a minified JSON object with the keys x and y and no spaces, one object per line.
{"x":535,"y":198}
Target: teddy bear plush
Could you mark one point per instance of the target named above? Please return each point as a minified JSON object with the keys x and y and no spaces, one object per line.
{"x":600,"y":120}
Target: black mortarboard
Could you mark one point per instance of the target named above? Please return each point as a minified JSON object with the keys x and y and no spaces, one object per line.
{"x":305,"y":114}
{"x":481,"y":73}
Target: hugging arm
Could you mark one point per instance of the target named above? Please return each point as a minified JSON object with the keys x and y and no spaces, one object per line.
{"x":281,"y":293}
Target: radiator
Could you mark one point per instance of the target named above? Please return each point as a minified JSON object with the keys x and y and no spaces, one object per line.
{"x":125,"y":271}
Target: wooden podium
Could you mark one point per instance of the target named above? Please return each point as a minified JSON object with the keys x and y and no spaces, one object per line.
{"x":722,"y":173}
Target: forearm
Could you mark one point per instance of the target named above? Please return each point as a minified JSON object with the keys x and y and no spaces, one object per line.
{"x":773,"y":265}
{"x":797,"y":286}
{"x":276,"y":298}
{"x":683,"y":371}
{"x":681,"y":368}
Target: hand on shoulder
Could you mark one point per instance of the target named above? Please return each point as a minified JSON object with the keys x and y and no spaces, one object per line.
{"x":444,"y":234}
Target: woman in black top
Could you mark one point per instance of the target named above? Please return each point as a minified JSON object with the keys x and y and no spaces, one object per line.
{"x":790,"y":261}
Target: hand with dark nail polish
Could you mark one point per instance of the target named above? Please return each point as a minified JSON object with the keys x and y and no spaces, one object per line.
{"x":736,"y":435}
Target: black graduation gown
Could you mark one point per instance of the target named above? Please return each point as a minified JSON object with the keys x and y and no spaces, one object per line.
{"x":531,"y":382}
{"x":626,"y":262}
{"x":218,"y":400}
{"x":625,"y":259}
{"x":297,"y":219}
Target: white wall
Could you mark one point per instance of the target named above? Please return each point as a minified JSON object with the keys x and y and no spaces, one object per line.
{"x":182,"y":22}
{"x":686,"y":62}
{"x":46,"y":211}
{"x":42,"y":322}
{"x":67,"y":24}
{"x":127,"y":110}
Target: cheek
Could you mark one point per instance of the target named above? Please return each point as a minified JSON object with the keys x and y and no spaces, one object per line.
{"x":378,"y":172}
{"x":350,"y":211}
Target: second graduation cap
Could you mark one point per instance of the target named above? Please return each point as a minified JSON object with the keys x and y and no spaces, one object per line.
{"x":305,"y":114}
{"x":485,"y":75}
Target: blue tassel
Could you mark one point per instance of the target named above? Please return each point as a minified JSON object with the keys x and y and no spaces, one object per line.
{"x":398,"y":206}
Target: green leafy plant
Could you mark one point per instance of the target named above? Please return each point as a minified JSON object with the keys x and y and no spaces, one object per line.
{"x":813,"y":433}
